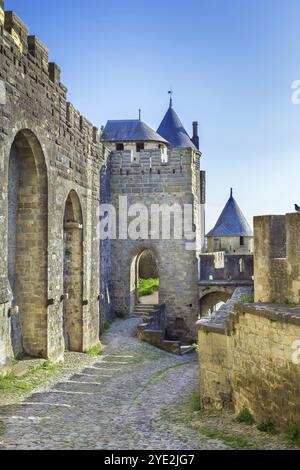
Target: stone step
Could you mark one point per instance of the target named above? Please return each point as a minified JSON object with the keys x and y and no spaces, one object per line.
{"x":187,"y":349}
{"x":147,"y":312}
{"x":148,"y":307}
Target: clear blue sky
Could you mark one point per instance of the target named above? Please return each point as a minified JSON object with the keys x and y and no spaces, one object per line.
{"x":230,"y":62}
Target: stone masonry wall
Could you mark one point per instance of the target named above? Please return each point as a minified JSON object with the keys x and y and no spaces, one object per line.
{"x":223,"y":267}
{"x":246,"y":360}
{"x":277,"y":258}
{"x":33,"y":99}
{"x":153,"y":182}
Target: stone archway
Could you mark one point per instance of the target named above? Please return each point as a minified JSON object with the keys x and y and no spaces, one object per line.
{"x":212,"y":301}
{"x":73,"y":274}
{"x":135,"y":271}
{"x":27,"y":244}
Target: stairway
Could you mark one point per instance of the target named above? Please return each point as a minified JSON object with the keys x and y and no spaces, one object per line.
{"x":153,"y":330}
{"x":145,"y":311}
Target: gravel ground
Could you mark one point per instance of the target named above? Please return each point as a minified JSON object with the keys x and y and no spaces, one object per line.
{"x":132,"y":397}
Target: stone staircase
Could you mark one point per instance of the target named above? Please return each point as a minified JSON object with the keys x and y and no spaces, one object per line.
{"x":153,"y":330}
{"x":145,"y":311}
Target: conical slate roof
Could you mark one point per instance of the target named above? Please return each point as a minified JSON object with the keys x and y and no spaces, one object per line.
{"x":131,"y":130}
{"x":173,"y":131}
{"x":232,"y":222}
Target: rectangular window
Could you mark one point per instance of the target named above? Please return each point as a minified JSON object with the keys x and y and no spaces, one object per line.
{"x":242,"y":241}
{"x":119,"y":147}
{"x":140,"y":147}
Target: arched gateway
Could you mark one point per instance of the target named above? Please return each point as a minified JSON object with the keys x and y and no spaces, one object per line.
{"x":27,"y":244}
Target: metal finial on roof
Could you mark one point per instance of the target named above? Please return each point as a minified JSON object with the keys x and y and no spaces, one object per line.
{"x":170,"y":92}
{"x":140,"y":114}
{"x":231,"y":193}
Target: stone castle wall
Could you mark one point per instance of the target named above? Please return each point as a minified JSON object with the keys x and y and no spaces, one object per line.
{"x":35,"y":113}
{"x":150,"y":181}
{"x":277,"y":258}
{"x":223,"y":267}
{"x":249,"y":354}
{"x":247,"y":360}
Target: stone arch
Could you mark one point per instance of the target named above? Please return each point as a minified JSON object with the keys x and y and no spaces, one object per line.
{"x":148,"y":265}
{"x":73,"y":274}
{"x":212,"y":301}
{"x":134,"y":272}
{"x":27,"y":243}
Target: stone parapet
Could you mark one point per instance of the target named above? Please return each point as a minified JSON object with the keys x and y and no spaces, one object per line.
{"x":249,"y":359}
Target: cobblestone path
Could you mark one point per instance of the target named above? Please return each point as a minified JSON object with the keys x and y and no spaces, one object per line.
{"x":116,"y":403}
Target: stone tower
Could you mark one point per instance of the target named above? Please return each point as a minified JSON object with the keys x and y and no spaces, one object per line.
{"x":158,"y":170}
{"x":232,"y":233}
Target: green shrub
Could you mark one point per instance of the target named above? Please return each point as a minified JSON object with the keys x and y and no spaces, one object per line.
{"x":245,"y":417}
{"x":293,"y":434}
{"x":267,"y":425}
{"x":148,"y":286}
{"x":247,"y":299}
{"x":94,"y":351}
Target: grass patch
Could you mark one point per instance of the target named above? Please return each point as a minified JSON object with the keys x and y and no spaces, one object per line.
{"x":195,"y":403}
{"x":189,"y":413}
{"x":11,"y":383}
{"x":34,"y":377}
{"x":232,"y":440}
{"x":293,"y":434}
{"x":148,"y":286}
{"x":94,"y":351}
{"x":245,"y":417}
{"x":247,"y":299}
{"x":267,"y":425}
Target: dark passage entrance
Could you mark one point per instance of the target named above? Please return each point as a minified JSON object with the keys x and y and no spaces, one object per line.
{"x":73,"y":274}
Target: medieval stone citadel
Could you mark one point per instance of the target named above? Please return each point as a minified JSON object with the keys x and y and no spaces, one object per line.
{"x":59,"y":283}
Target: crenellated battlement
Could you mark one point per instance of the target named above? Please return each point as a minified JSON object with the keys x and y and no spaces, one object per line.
{"x":154,"y":161}
{"x":25,"y":68}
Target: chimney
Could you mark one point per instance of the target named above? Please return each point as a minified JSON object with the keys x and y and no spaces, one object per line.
{"x":195,"y":138}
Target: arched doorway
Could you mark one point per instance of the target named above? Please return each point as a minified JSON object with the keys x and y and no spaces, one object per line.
{"x":27,"y":244}
{"x":73,"y":274}
{"x":145,"y":282}
{"x":212,"y":302}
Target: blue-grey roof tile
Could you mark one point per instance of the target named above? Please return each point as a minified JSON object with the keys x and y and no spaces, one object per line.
{"x":231,"y":223}
{"x":172,"y":130}
{"x":130,"y":131}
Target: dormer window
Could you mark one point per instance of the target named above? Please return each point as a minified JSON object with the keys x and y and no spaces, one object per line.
{"x":140,"y":146}
{"x":119,"y":147}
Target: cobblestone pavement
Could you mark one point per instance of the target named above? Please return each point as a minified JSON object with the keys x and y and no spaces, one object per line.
{"x":114,"y":403}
